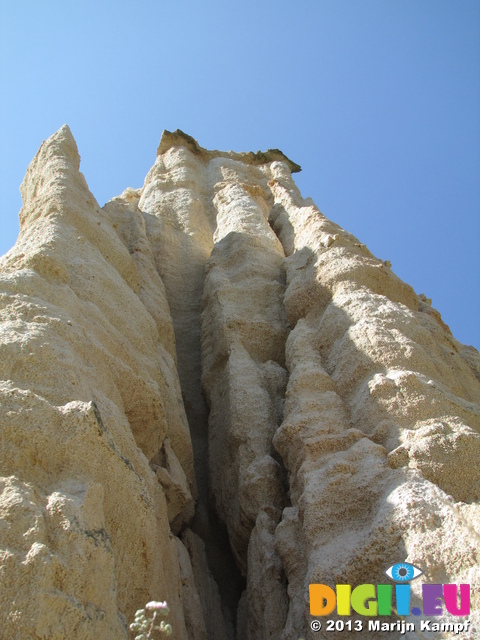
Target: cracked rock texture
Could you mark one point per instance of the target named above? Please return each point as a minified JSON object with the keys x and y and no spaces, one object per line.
{"x":212,"y":395}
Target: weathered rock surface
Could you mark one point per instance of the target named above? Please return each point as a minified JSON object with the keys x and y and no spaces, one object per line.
{"x":212,"y":395}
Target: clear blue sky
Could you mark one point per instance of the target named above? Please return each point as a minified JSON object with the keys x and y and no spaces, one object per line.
{"x":378,"y":101}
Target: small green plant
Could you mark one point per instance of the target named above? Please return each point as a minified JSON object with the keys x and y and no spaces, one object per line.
{"x":147,"y":621}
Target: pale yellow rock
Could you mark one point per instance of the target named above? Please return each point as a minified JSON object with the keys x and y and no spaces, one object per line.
{"x":192,"y":605}
{"x":209,"y":357}
{"x":381,"y":403}
{"x":88,"y":386}
{"x":175,"y":486}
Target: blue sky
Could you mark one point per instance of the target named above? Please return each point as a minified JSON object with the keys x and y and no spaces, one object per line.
{"x":378,"y":101}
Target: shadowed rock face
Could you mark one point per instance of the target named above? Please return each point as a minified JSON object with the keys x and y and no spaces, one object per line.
{"x":212,"y":395}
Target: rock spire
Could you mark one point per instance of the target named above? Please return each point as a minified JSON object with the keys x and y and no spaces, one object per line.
{"x":211,"y":394}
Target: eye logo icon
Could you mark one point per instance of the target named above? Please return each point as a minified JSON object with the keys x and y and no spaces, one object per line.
{"x":403,"y":572}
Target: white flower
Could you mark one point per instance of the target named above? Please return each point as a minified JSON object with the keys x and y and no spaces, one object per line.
{"x":146,"y":620}
{"x":157,"y":606}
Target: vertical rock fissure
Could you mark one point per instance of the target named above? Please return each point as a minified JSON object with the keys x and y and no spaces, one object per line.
{"x":181,"y":221}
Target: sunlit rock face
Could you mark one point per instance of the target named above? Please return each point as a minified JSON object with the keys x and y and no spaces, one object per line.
{"x":213,"y":395}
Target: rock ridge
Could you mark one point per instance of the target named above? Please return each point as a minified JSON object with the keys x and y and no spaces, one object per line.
{"x":178,"y":137}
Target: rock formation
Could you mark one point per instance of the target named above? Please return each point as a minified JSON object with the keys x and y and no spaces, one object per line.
{"x":213,"y":395}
